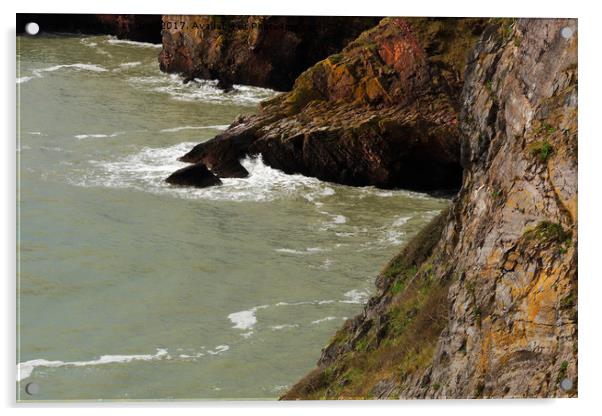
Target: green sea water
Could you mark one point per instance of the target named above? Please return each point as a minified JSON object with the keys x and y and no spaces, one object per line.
{"x":131,"y":289}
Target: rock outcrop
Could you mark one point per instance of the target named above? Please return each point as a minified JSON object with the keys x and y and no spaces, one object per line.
{"x":265,"y":51}
{"x":483,"y":302}
{"x":137,"y":27}
{"x":196,"y":175}
{"x":381,"y":112}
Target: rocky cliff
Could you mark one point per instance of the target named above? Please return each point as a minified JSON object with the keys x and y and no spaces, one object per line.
{"x":265,"y":51}
{"x":382,"y":112}
{"x":483,"y":302}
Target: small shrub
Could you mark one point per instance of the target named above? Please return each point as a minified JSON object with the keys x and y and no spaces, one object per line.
{"x":562,"y":372}
{"x":547,"y":231}
{"x":568,"y":302}
{"x":541,"y":149}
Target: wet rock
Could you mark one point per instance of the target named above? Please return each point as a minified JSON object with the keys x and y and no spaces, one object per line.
{"x":223,"y":153}
{"x":381,"y":112}
{"x":196,"y":175}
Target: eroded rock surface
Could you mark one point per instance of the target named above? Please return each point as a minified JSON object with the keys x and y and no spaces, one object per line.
{"x":381,"y":112}
{"x":483,"y":302}
{"x":265,"y":51}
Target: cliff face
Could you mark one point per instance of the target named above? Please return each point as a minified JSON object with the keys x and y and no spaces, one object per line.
{"x":265,"y":51}
{"x":381,"y":112}
{"x":137,"y":27}
{"x":483,"y":302}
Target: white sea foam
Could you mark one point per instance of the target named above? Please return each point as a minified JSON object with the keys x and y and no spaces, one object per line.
{"x":96,"y":135}
{"x":129,"y":64}
{"x":214,"y":127}
{"x":147,"y":169}
{"x":326,"y":264}
{"x":77,"y":66}
{"x":199,"y":90}
{"x":39,"y":73}
{"x":328,"y":318}
{"x":401,"y":221}
{"x":308,"y":250}
{"x":94,"y":46}
{"x":356,"y":296}
{"x":340,"y":219}
{"x":219,"y":349}
{"x":245,"y":319}
{"x":25,"y":369}
{"x":283,"y":326}
{"x":392,"y":237}
{"x":193,"y":356}
{"x":85,"y":41}
{"x":123,"y":42}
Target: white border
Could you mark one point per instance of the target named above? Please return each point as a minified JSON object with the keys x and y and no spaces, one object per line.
{"x":590,"y":161}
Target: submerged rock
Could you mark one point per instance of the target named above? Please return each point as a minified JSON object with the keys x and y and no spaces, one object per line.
{"x":196,"y":175}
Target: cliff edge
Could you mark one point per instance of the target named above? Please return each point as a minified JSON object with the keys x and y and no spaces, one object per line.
{"x":383,"y":112}
{"x":265,"y":51}
{"x":483,"y":302}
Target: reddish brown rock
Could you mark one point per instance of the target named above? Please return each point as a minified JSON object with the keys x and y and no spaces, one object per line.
{"x":482,"y":303}
{"x":381,"y":112}
{"x":265,"y":51}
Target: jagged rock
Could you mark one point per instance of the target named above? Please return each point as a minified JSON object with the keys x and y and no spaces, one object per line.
{"x":222,"y":154}
{"x":265,"y":51}
{"x":483,"y":302}
{"x":196,"y":175}
{"x":381,"y":112}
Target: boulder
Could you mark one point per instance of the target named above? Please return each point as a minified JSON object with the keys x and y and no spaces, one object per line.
{"x":196,"y":175}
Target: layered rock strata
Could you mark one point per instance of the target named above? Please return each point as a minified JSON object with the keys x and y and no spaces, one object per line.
{"x":483,"y":302}
{"x":265,"y":51}
{"x":382,"y":112}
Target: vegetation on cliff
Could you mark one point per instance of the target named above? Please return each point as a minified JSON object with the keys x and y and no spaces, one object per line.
{"x":265,"y":51}
{"x":483,"y":303}
{"x":381,"y":112}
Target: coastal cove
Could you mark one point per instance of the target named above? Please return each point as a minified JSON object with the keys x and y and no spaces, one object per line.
{"x":130,"y":288}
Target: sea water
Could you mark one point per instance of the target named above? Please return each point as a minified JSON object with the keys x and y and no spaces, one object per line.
{"x":129,"y":288}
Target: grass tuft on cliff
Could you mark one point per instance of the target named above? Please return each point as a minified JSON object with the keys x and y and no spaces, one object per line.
{"x":402,"y":342}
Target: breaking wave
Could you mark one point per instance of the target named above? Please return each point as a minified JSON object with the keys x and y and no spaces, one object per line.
{"x":199,"y":90}
{"x":147,"y":169}
{"x":25,"y":369}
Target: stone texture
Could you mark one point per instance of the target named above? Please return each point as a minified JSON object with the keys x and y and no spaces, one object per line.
{"x":196,"y":175}
{"x":505,"y":255}
{"x":381,"y":112}
{"x":265,"y":51}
